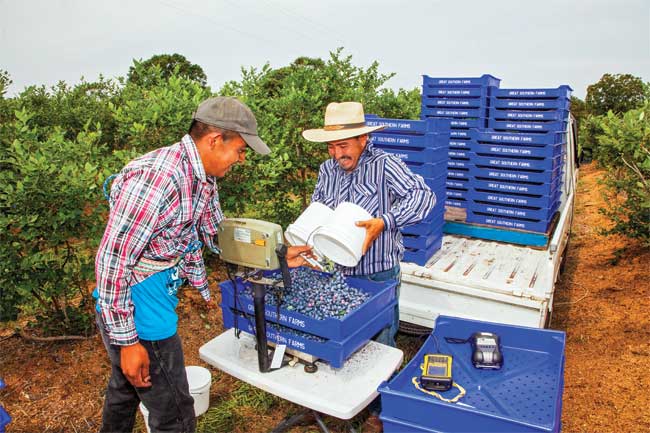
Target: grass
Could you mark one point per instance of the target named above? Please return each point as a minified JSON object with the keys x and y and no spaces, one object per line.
{"x":230,"y":412}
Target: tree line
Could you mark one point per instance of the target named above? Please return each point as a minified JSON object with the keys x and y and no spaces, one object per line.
{"x":58,"y":144}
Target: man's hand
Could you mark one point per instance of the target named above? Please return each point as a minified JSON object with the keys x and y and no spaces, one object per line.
{"x":294,"y":258}
{"x":134,"y":360}
{"x":373,"y":227}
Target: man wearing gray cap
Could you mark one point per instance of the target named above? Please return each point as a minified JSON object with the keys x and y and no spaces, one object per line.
{"x":164,"y":207}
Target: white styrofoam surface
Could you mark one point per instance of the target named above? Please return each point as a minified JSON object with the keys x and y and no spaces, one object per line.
{"x":341,"y":393}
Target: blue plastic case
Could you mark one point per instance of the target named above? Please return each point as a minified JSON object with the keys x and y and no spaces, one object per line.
{"x":335,"y":352}
{"x":382,"y":295}
{"x":408,"y":127}
{"x":530,"y":104}
{"x":429,"y":140}
{"x":511,"y":125}
{"x":485,"y":80}
{"x":523,"y":115}
{"x":563,"y":91}
{"x":422,"y":256}
{"x":524,"y":396}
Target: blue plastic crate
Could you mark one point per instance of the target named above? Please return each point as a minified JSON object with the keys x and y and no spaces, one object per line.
{"x":543,"y":201}
{"x":524,"y":396}
{"x":436,"y":184}
{"x":394,"y":425}
{"x":430,"y":223}
{"x":458,"y":163}
{"x":5,"y":419}
{"x":530,"y":164}
{"x":458,"y":92}
{"x":407,"y":126}
{"x":537,"y":214}
{"x":453,"y":112}
{"x":496,"y":149}
{"x":511,"y":125}
{"x":516,"y":187}
{"x":514,"y":175}
{"x":382,"y":295}
{"x":409,"y":154}
{"x":517,"y":138}
{"x":484,"y":80}
{"x":521,"y":115}
{"x":422,"y":242}
{"x":563,"y":91}
{"x":508,"y":223}
{"x":422,"y":256}
{"x":458,"y":183}
{"x":458,"y":153}
{"x":335,"y":352}
{"x":459,"y":173}
{"x":435,"y":101}
{"x":453,"y":193}
{"x":459,"y":143}
{"x":456,"y":203}
{"x":530,"y":104}
{"x":459,"y":133}
{"x":428,"y":170}
{"x":429,"y":140}
{"x":469,"y":123}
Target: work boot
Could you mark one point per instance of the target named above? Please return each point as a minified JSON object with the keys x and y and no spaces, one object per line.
{"x":372,"y":425}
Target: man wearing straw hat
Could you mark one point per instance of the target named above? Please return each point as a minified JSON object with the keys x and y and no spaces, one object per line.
{"x":377,"y":181}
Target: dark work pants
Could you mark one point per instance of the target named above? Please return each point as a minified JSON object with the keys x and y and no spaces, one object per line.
{"x":168,"y":400}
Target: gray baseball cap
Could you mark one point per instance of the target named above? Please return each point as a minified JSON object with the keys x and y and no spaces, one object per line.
{"x":233,"y":115}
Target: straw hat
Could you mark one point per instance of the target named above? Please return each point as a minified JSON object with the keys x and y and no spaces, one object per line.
{"x":342,"y":120}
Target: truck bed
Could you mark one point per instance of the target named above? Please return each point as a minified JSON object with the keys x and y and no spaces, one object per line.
{"x":486,"y":280}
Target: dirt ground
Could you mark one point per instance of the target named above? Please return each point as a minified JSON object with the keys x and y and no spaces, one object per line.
{"x":602,"y":302}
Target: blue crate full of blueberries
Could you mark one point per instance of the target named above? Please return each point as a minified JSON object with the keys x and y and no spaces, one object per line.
{"x":330,"y":306}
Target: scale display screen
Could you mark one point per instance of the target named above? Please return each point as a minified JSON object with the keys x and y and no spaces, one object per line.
{"x":436,"y":370}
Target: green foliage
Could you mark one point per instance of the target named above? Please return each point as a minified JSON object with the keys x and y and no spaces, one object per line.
{"x":49,"y":219}
{"x":161,"y":67}
{"x":156,"y":116}
{"x":616,"y":92}
{"x":624,"y":150}
{"x":287,"y":101}
{"x":73,"y":109}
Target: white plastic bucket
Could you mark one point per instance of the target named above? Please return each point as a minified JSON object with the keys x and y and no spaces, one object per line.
{"x":315,"y":216}
{"x":199,"y":380}
{"x":340,"y":239}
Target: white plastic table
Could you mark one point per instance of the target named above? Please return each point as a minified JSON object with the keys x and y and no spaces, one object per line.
{"x":341,"y":393}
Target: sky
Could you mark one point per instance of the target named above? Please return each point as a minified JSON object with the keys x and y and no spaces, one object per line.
{"x":526,"y":43}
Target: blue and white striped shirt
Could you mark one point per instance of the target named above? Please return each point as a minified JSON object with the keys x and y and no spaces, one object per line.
{"x":384,"y":186}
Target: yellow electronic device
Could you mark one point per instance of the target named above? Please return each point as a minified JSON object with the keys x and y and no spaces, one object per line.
{"x":436,"y":374}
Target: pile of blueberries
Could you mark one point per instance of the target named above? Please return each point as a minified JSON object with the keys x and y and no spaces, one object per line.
{"x":317,"y":295}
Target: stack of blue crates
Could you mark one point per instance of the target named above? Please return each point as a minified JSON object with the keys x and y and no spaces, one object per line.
{"x":517,"y":162}
{"x":331,"y":339}
{"x":525,"y":395}
{"x":423,"y":145}
{"x":465,"y":102}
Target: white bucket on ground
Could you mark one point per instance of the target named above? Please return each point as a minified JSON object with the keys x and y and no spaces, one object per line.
{"x":340,"y":239}
{"x":199,"y":380}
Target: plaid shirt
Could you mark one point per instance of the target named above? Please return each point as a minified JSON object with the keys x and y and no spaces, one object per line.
{"x":159,"y":203}
{"x":384,"y":186}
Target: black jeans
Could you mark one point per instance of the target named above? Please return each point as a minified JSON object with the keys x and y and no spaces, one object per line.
{"x":168,"y":400}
